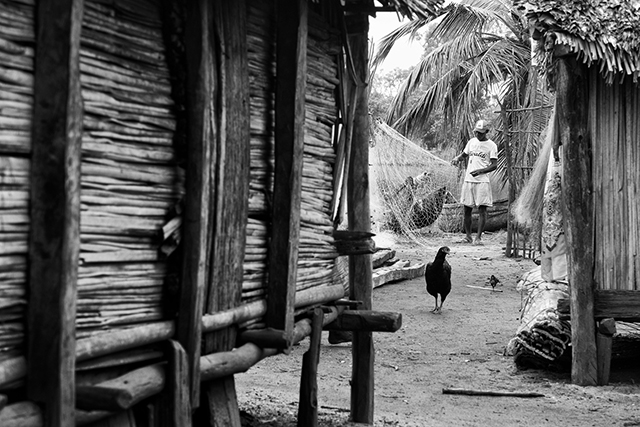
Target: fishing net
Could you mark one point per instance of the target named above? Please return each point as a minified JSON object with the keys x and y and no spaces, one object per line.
{"x":410,"y":186}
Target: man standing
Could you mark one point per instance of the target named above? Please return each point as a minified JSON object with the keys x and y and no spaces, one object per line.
{"x":476,"y":189}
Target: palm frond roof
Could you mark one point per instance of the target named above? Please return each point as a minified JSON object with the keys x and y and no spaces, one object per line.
{"x":601,"y":32}
{"x":421,"y":9}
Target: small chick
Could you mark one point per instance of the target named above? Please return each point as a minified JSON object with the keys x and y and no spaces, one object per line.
{"x":493,"y":280}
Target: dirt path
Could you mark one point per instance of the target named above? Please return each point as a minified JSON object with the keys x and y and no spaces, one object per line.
{"x":461,"y":348}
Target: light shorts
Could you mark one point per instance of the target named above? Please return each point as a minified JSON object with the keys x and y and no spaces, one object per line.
{"x":476,"y":194}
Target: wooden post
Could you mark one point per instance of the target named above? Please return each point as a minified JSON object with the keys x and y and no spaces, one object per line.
{"x":360,"y":266}
{"x":196,"y":240}
{"x":174,"y":406}
{"x":572,"y":109}
{"x":291,"y":75}
{"x":604,"y":342}
{"x":55,"y":211}
{"x":308,"y":406}
{"x":230,"y":195}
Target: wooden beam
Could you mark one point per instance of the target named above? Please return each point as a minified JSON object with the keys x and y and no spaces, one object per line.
{"x":124,"y":391}
{"x":291,"y":74}
{"x":200,"y":86}
{"x":308,"y":405}
{"x":223,"y":364}
{"x":230,"y":194}
{"x":622,"y":305}
{"x":360,"y":266}
{"x":366,"y":320}
{"x":55,"y":210}
{"x":572,"y":109}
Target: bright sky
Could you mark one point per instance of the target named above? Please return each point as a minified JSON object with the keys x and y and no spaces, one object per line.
{"x":404,"y":54}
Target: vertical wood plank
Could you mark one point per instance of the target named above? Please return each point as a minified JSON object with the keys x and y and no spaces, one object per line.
{"x":606,"y":330}
{"x":360,"y":266}
{"x":55,"y":211}
{"x":230,"y":193}
{"x":200,"y":133}
{"x":291,"y":74}
{"x":175,"y":400}
{"x":572,"y":109}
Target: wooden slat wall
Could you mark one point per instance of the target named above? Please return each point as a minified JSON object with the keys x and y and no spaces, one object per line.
{"x":130,"y":179}
{"x":16,"y":102}
{"x":614,"y":118}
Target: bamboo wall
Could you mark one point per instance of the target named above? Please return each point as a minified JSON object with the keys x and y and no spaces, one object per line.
{"x":17,"y":42}
{"x":614,"y":115}
{"x":316,"y":249}
{"x":131,"y":192}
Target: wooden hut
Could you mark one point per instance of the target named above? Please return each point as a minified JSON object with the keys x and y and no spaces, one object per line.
{"x":172,"y":178}
{"x":592,"y":59}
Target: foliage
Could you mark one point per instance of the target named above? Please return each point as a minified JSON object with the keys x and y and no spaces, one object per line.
{"x":481,"y":63}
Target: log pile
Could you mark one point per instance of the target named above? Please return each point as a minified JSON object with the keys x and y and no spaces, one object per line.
{"x":543,"y":335}
{"x":16,"y":103}
{"x":317,"y":250}
{"x":130,"y":181}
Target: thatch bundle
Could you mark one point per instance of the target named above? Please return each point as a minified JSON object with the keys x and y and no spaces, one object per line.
{"x":130,"y":181}
{"x":16,"y":104}
{"x":316,"y":250}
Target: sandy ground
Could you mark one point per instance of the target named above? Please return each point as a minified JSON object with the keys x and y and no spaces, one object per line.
{"x":461,"y":348}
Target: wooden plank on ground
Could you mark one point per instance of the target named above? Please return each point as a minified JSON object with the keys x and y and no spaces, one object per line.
{"x":359,"y":219}
{"x":572,"y":103}
{"x":55,"y":211}
{"x":199,"y":57}
{"x":291,"y":75}
{"x":401,"y":270}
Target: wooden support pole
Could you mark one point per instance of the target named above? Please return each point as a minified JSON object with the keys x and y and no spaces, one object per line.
{"x":291,"y":75}
{"x":175,"y":401}
{"x":199,"y":56}
{"x":308,"y":405}
{"x":572,"y":108}
{"x":55,"y":211}
{"x":360,"y":266}
{"x":604,"y":342}
{"x":230,"y":195}
{"x":366,"y":320}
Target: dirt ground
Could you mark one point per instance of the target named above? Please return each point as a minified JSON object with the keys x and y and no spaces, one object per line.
{"x":461,"y":348}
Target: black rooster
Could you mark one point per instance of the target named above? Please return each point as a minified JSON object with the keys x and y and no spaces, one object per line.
{"x":438,"y":278}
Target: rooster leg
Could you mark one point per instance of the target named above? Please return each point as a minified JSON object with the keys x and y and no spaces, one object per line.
{"x":435,"y":310}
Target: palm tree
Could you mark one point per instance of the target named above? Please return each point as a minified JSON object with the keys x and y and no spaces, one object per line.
{"x":483,"y":47}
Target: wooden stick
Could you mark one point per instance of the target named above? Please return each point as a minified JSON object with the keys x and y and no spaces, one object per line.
{"x":122,"y":392}
{"x":469,"y":392}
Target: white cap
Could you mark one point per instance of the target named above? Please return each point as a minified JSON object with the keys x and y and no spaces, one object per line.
{"x":481,"y":126}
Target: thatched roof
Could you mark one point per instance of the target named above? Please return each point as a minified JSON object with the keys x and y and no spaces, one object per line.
{"x":601,"y":32}
{"x":423,"y":9}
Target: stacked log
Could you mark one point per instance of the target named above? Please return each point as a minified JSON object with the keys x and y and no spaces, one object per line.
{"x":543,"y":335}
{"x":130,"y":181}
{"x":17,"y":42}
{"x":316,"y":250}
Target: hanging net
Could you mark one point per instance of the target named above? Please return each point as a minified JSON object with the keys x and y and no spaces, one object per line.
{"x":409,"y":186}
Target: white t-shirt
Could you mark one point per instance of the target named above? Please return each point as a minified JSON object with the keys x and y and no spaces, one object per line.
{"x":480,"y":154}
